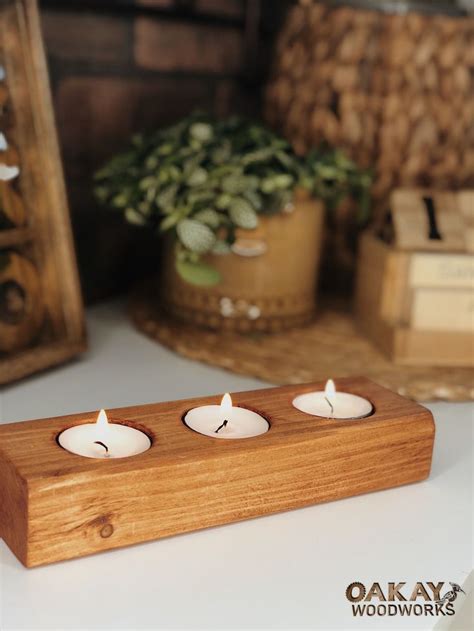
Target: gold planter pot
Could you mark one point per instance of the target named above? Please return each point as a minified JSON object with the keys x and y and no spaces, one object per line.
{"x":268,"y":282}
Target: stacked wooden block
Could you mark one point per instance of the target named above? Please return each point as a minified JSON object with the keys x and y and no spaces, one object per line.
{"x":415,"y":281}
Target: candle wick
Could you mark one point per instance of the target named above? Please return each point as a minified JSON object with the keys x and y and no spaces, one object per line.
{"x":221,"y":426}
{"x":330,"y":405}
{"x":99,"y":442}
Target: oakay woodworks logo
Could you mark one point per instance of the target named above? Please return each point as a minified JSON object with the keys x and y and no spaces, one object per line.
{"x":399,"y":599}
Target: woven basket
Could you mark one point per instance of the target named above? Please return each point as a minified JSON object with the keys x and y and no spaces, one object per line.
{"x":394,"y":90}
{"x":268,"y":282}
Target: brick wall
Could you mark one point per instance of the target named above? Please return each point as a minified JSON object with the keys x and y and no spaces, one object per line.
{"x":118,"y":67}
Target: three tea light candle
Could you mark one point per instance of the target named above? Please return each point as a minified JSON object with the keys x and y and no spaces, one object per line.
{"x":103,"y":439}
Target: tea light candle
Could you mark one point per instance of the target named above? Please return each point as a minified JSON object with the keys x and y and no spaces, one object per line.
{"x":226,"y":421}
{"x":103,"y":439}
{"x":332,"y":404}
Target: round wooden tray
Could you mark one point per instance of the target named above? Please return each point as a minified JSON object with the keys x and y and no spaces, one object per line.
{"x":329,"y":347}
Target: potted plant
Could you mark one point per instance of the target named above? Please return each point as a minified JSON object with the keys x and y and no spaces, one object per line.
{"x":244,"y":216}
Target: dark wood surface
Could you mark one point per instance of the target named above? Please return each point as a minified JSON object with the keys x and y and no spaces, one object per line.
{"x":122,"y":67}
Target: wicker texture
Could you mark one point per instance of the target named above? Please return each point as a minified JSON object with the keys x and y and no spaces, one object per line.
{"x":329,"y":347}
{"x":393,"y":90}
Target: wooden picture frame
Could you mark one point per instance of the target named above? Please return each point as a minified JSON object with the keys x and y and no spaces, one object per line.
{"x":41,"y":312}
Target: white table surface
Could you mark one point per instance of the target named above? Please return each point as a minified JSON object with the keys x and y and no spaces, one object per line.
{"x":284,"y":571}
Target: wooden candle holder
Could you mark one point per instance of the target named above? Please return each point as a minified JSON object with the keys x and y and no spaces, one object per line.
{"x":55,"y":505}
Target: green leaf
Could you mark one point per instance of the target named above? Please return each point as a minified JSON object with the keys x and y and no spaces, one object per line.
{"x":231,"y":166}
{"x":118,"y":164}
{"x":134,"y":217}
{"x":254,"y":198}
{"x":197,"y":177}
{"x":267,"y":185}
{"x":252,"y":182}
{"x":150,"y":195}
{"x":102,"y":193}
{"x":120,"y":201}
{"x":144,"y":207}
{"x":166,"y":196}
{"x":201,"y":131}
{"x":328,"y":172}
{"x":222,"y":153}
{"x":234,"y":184}
{"x":260,"y":155}
{"x":165,"y":149}
{"x":242,"y":213}
{"x":203,"y":195}
{"x":169,"y":222}
{"x":147,"y":182}
{"x":151,"y":162}
{"x":195,"y":236}
{"x":190,"y":164}
{"x":197,"y":273}
{"x":209,"y":216}
{"x":286,"y":160}
{"x":284,"y":180}
{"x":223,"y":201}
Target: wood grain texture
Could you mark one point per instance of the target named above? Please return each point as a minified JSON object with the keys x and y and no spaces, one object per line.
{"x":74,"y":506}
{"x":11,"y":203}
{"x":35,"y":203}
{"x":13,"y":508}
{"x":384,"y":303}
{"x":15,"y":237}
{"x":22,"y":313}
{"x":27,"y":362}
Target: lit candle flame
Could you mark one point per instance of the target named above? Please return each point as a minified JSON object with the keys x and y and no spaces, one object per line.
{"x":330,"y":389}
{"x":225,"y":408}
{"x":226,"y":405}
{"x":102,"y":425}
{"x":102,"y":420}
{"x":329,"y":394}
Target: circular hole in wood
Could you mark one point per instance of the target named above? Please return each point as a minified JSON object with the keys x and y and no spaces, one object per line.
{"x":12,"y":302}
{"x":240,"y":431}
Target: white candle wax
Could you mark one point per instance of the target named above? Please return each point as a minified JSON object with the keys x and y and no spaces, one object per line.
{"x":329,"y":403}
{"x":104,"y":440}
{"x":226,"y":421}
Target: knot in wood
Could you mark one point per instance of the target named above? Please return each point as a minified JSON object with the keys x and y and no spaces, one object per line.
{"x":106,"y":531}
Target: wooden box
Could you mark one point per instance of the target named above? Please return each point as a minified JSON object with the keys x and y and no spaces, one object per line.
{"x":55,"y":505}
{"x":414,"y":294}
